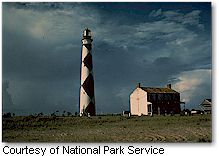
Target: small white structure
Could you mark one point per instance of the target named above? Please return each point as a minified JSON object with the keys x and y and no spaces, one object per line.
{"x":126,"y":113}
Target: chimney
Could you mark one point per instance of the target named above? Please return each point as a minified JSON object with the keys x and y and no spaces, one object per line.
{"x":169,"y":86}
{"x":139,"y":85}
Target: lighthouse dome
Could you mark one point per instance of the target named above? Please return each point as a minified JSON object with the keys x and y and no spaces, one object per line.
{"x":87,"y":34}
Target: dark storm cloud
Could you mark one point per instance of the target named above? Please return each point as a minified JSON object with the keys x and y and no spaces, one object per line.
{"x":149,"y":43}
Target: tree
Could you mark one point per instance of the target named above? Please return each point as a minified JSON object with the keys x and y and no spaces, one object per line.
{"x":64,"y":113}
{"x":40,"y":114}
{"x":7,"y":115}
{"x":68,"y":113}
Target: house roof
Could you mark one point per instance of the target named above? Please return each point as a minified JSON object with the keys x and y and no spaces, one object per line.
{"x":206,"y":102}
{"x":209,"y":100}
{"x":159,"y":90}
{"x":206,"y":105}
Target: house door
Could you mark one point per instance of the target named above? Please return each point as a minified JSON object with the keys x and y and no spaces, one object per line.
{"x":150,"y":109}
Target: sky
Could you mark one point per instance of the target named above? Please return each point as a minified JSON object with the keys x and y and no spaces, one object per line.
{"x":149,"y":43}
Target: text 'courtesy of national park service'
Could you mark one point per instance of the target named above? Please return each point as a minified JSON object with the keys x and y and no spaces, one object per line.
{"x":78,"y":150}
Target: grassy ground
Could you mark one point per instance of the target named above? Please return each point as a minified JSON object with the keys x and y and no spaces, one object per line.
{"x":176,"y":128}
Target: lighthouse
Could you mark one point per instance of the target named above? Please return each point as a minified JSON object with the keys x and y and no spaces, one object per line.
{"x":87,"y":100}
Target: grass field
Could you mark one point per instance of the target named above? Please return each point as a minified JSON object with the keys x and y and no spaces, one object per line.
{"x":176,"y":128}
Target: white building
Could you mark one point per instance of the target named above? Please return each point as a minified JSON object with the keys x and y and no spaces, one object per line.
{"x":139,"y":104}
{"x":148,"y":100}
